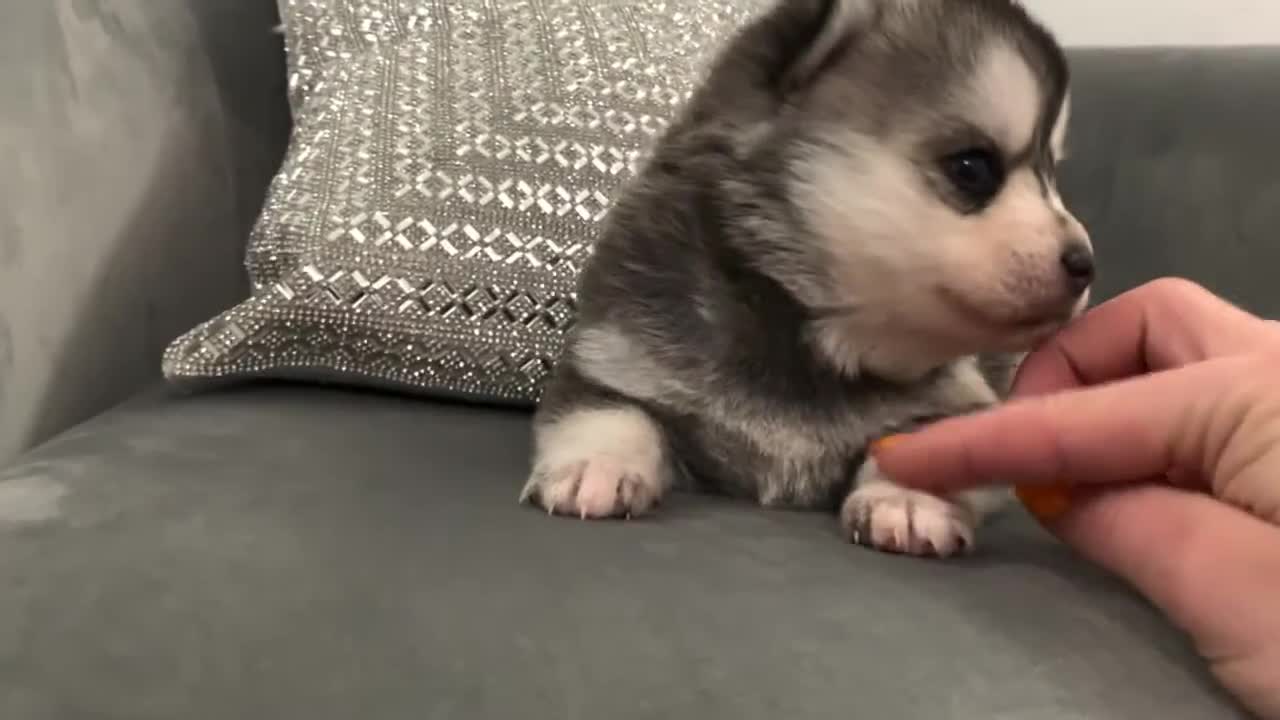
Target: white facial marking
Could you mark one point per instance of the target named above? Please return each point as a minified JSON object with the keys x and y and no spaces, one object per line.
{"x":1006,"y":98}
{"x":597,"y":463}
{"x":874,"y":238}
{"x":893,"y":243}
{"x":1058,"y":140}
{"x":1025,"y":220}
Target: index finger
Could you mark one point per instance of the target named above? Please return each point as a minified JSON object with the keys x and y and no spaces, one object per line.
{"x":1128,"y":431}
{"x":1161,"y":325}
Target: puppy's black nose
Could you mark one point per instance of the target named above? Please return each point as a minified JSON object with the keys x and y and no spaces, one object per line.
{"x":1077,"y":260}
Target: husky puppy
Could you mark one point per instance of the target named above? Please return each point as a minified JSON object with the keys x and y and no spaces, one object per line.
{"x":852,"y":222}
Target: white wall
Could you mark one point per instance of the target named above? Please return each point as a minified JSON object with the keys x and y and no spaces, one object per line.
{"x":1161,"y":22}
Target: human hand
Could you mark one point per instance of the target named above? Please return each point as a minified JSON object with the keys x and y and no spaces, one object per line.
{"x":1161,"y":408}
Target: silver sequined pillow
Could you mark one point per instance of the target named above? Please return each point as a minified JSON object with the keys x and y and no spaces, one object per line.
{"x":450,"y":166}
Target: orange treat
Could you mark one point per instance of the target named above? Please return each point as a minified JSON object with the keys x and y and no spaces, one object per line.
{"x":885,"y":443}
{"x":1046,"y":502}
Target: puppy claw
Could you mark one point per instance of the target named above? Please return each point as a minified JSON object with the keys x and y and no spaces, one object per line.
{"x":907,"y":522}
{"x":598,"y":488}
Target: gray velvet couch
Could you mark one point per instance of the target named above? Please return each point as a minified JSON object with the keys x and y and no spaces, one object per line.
{"x":297,"y":552}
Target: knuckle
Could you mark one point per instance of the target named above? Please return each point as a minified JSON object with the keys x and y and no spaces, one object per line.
{"x":1176,"y":289}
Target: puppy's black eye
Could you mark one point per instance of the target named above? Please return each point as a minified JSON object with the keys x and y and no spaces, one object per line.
{"x":977,"y":174}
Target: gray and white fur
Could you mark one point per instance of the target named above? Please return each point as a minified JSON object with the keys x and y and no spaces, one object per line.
{"x":852,"y":229}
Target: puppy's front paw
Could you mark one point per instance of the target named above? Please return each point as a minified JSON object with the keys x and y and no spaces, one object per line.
{"x":896,"y":519}
{"x":597,"y":487}
{"x":598,"y":463}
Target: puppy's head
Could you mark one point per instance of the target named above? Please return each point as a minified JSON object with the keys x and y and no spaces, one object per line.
{"x":916,"y":142}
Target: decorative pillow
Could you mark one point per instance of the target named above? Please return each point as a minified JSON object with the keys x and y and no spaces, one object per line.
{"x":450,"y":165}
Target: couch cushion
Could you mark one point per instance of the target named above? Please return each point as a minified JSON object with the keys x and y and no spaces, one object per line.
{"x":279,"y":552}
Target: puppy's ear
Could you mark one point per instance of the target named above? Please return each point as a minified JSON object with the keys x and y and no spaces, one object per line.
{"x":782,"y":52}
{"x":830,"y":29}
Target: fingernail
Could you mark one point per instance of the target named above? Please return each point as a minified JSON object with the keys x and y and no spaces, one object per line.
{"x":1046,"y":502}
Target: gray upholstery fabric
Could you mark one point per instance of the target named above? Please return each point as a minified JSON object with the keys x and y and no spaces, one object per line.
{"x":1175,"y":167}
{"x":302,"y":553}
{"x":135,"y":142}
{"x":297,"y":552}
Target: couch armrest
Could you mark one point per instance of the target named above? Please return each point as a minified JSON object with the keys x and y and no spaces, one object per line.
{"x":137,"y":141}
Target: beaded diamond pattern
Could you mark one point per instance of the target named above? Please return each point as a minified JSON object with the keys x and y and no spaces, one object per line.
{"x":450,"y":165}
